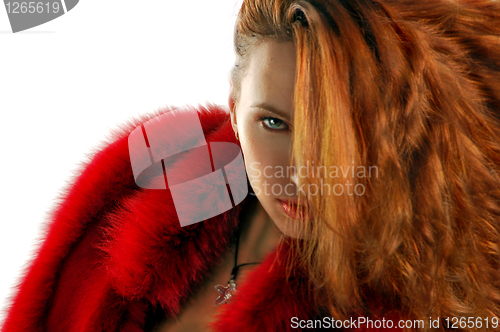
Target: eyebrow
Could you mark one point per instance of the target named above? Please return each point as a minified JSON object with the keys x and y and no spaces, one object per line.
{"x":272,"y":109}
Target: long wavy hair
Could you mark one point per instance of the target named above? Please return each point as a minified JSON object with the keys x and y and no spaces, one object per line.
{"x":411,"y":88}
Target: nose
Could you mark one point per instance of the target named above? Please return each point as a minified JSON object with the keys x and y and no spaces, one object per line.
{"x":294,"y":177}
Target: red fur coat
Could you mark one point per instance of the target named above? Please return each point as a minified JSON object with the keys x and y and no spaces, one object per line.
{"x":115,"y":257}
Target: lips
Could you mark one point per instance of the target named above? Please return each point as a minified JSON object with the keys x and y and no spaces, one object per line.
{"x":292,"y":209}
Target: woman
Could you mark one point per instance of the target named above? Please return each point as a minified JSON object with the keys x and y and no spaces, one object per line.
{"x":380,"y":117}
{"x":413,"y":89}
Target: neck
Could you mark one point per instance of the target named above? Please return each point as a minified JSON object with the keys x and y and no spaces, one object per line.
{"x":258,"y":236}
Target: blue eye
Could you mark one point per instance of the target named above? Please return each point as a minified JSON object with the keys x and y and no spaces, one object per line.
{"x":274,"y":124}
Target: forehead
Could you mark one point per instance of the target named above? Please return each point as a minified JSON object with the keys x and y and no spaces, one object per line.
{"x":270,"y":75}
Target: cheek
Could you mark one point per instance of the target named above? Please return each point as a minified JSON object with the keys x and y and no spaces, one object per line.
{"x":265,"y":155}
{"x":262,"y":161}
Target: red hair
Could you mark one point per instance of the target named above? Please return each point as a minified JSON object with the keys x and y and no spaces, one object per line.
{"x":413,"y":88}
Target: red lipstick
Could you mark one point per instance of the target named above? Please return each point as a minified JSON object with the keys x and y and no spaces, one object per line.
{"x":291,"y":209}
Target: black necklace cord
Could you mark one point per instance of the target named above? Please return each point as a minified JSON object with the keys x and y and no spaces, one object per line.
{"x":234,"y":271}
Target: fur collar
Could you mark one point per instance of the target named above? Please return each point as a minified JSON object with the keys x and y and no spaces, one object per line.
{"x":113,"y":252}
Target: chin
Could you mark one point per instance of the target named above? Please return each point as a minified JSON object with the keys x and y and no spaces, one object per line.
{"x":288,"y":226}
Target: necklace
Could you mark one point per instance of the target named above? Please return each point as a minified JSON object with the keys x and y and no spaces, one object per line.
{"x":226,"y":292}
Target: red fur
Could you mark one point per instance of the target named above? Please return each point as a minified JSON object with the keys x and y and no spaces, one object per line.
{"x":114,"y":251}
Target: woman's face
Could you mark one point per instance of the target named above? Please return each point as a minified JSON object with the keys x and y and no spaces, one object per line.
{"x":263,"y":117}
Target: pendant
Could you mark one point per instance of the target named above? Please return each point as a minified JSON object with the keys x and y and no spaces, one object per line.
{"x":225,"y":292}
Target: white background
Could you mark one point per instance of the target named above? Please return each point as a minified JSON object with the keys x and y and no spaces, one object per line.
{"x":66,"y":84}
